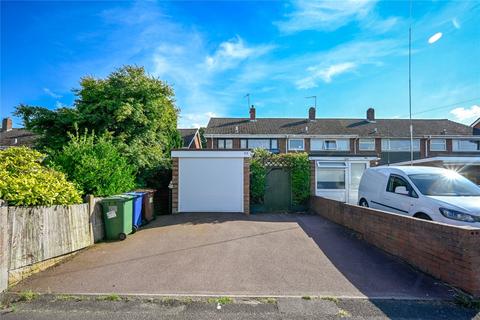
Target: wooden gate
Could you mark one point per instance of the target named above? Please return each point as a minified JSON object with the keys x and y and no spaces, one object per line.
{"x":278,"y":190}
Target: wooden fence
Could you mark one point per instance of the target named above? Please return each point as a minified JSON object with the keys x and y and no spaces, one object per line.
{"x":34,"y":238}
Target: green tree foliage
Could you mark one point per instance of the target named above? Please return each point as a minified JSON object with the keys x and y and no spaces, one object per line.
{"x":298,"y":165}
{"x":24,"y":181}
{"x":203,"y":140}
{"x":138,"y":110}
{"x":95,"y":164}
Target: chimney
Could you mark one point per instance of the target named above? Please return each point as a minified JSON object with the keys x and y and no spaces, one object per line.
{"x":311,"y":114}
{"x":371,"y":115}
{"x":7,"y":124}
{"x":252,"y":113}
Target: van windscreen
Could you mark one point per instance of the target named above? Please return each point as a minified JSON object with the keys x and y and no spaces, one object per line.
{"x":450,"y":184}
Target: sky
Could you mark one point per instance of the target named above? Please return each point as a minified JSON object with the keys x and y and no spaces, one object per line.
{"x":352,"y":55}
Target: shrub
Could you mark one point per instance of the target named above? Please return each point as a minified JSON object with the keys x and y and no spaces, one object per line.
{"x":95,"y":164}
{"x":25,"y":182}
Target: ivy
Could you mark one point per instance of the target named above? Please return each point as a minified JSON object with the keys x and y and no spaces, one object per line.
{"x":298,"y":165}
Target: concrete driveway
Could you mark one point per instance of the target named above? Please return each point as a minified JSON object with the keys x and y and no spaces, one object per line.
{"x":233,"y":254}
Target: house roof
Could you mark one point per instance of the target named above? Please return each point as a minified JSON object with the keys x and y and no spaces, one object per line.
{"x":23,"y":137}
{"x":475,"y":123}
{"x":187,"y":136}
{"x":336,"y":126}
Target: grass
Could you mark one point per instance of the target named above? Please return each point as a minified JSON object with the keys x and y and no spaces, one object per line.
{"x":220,"y":300}
{"x":343,"y":313}
{"x":333,"y":299}
{"x":110,"y":297}
{"x":27,"y":295}
{"x":306,"y":298}
{"x":269,"y":300}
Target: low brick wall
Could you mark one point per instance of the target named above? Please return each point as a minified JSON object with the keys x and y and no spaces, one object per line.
{"x":449,"y":253}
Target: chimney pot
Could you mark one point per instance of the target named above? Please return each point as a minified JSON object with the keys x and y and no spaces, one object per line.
{"x":7,"y":124}
{"x":252,"y":113}
{"x":311,"y":114}
{"x":371,"y":115}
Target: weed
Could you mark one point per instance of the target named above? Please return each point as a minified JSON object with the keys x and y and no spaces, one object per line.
{"x":306,"y":298}
{"x":467,"y":301}
{"x":110,"y":297}
{"x":28,"y":295}
{"x":269,"y":300}
{"x":333,"y":299}
{"x":220,"y":300}
{"x":343,"y":313}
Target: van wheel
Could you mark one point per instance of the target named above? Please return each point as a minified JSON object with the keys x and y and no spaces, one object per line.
{"x":363,"y":203}
{"x":422,"y":216}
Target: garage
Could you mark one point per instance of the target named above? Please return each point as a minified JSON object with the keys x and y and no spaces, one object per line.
{"x":210,"y":181}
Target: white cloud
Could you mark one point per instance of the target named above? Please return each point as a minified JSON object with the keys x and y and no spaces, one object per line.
{"x":325,"y":74}
{"x":231,"y":52}
{"x":456,"y":23}
{"x":466,"y":115}
{"x":435,"y":37}
{"x":195,"y":120}
{"x":51,"y":93}
{"x":330,"y":15}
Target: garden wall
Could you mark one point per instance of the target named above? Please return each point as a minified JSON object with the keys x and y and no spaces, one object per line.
{"x":35,"y":238}
{"x":449,"y":253}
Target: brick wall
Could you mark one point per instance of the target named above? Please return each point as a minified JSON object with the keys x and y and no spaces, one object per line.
{"x":175,"y":185}
{"x":449,"y":253}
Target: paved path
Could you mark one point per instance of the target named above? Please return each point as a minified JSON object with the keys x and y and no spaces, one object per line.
{"x":232,"y":254}
{"x":286,"y":308}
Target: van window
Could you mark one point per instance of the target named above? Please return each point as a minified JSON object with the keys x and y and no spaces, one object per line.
{"x":397,"y":181}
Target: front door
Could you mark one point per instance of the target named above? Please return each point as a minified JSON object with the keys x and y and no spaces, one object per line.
{"x":356,"y":171}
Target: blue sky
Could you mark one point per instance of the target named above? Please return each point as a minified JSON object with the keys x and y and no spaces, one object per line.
{"x":351,"y":54}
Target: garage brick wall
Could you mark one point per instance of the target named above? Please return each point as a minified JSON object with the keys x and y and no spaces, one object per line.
{"x":449,"y":253}
{"x":246,"y":185}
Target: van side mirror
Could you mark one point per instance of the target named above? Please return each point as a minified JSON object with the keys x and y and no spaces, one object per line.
{"x":401,"y":190}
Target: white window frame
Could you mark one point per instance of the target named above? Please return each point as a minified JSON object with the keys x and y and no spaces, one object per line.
{"x":323,"y":143}
{"x":437,"y":143}
{"x":455,"y":145}
{"x":388,"y":140}
{"x":370,"y":141}
{"x":296,"y":149}
{"x":336,"y":165}
{"x":224,"y":143}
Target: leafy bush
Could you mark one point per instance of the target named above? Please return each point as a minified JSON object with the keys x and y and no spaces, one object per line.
{"x":95,"y":164}
{"x":298,"y":165}
{"x":25,"y":182}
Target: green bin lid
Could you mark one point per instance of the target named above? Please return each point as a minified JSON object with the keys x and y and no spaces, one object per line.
{"x":117,"y":198}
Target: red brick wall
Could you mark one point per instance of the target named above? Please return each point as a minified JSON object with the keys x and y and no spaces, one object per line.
{"x":449,"y":253}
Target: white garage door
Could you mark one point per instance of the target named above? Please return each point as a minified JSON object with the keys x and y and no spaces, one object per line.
{"x":210,"y":185}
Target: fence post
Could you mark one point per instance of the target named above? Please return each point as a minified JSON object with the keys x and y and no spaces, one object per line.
{"x":91,"y":212}
{"x":4,"y":248}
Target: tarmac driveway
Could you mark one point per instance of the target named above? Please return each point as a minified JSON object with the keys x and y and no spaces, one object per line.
{"x":234,"y":254}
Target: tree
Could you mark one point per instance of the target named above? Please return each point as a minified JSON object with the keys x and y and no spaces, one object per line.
{"x":95,"y":164}
{"x":203,"y":140}
{"x":136,"y":109}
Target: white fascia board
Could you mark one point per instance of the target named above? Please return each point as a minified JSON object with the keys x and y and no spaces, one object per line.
{"x":210,"y":154}
{"x":351,"y":159}
{"x":269,"y":136}
{"x":441,"y":136}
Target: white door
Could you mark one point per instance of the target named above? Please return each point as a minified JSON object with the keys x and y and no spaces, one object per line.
{"x":210,"y":185}
{"x":356,"y":171}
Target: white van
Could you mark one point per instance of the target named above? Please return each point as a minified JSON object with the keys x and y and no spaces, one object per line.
{"x":422,"y":192}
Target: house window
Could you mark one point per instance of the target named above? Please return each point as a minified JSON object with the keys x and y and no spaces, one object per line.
{"x":366,"y":144}
{"x":466,"y":145}
{"x":225,"y":144}
{"x":296,"y":144}
{"x":330,"y":175}
{"x":438,"y":145}
{"x":400,"y":145}
{"x":330,"y":144}
{"x":243,"y":144}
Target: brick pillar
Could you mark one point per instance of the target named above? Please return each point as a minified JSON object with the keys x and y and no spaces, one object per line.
{"x":246,"y":185}
{"x":175,"y":185}
{"x":313,"y":178}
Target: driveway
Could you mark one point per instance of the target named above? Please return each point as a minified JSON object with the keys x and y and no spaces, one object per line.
{"x":234,"y":254}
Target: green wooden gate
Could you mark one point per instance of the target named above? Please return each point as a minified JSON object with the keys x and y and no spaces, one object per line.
{"x":278,"y":190}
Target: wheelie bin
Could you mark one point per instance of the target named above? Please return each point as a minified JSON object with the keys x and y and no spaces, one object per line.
{"x":137,"y":209}
{"x":117,"y":217}
{"x":148,"y":209}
